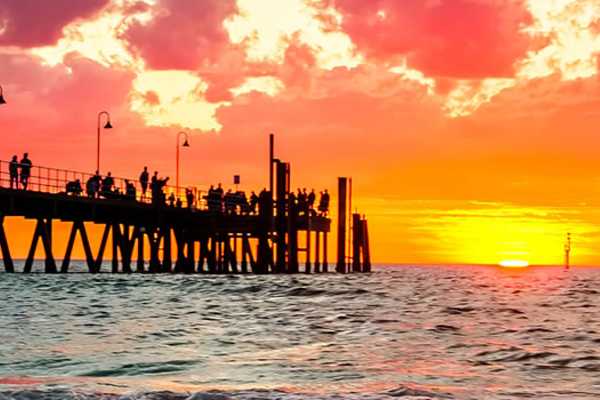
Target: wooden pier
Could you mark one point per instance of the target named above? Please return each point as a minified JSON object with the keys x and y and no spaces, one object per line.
{"x":180,"y":240}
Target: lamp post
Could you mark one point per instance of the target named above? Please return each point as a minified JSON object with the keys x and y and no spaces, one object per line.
{"x":185,"y":144}
{"x":2,"y":101}
{"x":106,"y":126}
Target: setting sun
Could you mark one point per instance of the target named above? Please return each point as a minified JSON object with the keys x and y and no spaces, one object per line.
{"x":514,"y":264}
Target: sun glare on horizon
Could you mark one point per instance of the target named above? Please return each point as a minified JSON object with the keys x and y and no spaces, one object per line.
{"x":514,"y":264}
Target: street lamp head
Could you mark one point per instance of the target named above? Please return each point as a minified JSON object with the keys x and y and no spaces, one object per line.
{"x":186,"y":143}
{"x":2,"y":101}
{"x":108,"y":125}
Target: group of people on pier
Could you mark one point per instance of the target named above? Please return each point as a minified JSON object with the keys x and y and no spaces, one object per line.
{"x":306,"y":202}
{"x":19,"y":171}
{"x":217,"y":200}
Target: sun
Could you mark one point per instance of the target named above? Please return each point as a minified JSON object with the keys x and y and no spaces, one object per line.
{"x":514,"y":264}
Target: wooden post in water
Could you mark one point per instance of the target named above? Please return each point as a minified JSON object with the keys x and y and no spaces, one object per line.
{"x":293,"y":266}
{"x":365,"y":246}
{"x":281,"y":221}
{"x":356,"y":242}
{"x":325,"y":262}
{"x":166,"y":262}
{"x":308,"y":243}
{"x":140,"y":250}
{"x":264,"y":257}
{"x":342,"y":216}
{"x":115,"y":241}
{"x":317,"y":252}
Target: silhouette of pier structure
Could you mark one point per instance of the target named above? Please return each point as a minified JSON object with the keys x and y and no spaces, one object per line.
{"x":179,"y":239}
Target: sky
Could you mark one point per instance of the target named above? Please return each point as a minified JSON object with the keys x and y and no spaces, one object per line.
{"x":469,"y":127}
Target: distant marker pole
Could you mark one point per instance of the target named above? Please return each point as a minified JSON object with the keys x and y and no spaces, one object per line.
{"x":568,"y":252}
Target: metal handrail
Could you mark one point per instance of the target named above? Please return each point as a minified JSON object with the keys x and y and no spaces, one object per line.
{"x":54,"y":181}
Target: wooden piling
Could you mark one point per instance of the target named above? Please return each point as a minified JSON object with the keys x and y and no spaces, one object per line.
{"x":140,"y":264}
{"x":6,"y":257}
{"x":356,"y":242}
{"x":317,"y":252}
{"x":366,"y":247}
{"x":341,"y":239}
{"x":281,"y":221}
{"x":325,"y":261}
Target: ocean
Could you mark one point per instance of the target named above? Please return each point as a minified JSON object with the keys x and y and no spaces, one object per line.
{"x":409,"y":332}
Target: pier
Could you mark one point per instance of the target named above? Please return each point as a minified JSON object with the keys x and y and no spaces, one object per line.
{"x":145,"y":237}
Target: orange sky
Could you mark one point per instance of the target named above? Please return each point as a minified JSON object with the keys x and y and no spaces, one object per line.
{"x":469,"y":126}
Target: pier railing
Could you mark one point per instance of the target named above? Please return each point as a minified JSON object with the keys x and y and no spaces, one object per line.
{"x":55,"y":180}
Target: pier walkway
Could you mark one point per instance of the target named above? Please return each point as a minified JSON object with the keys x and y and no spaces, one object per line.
{"x":178,"y":239}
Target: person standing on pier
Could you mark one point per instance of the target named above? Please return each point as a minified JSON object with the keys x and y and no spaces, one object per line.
{"x":311,"y":199}
{"x":13,"y":169}
{"x":253,"y":202}
{"x":144,"y":181}
{"x":25,"y":170}
{"x":107,"y":185}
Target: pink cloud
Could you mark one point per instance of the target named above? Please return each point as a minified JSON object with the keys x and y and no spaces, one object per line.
{"x":442,"y":38}
{"x":32,"y":23}
{"x":183,"y":34}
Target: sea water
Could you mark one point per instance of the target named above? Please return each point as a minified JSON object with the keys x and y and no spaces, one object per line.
{"x":422,"y":332}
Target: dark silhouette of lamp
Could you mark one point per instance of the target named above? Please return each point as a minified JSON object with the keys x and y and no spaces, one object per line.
{"x":108,"y":125}
{"x":186,"y":143}
{"x":2,"y":101}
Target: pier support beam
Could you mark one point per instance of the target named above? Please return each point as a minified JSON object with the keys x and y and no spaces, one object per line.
{"x":365,"y":246}
{"x":325,"y":261}
{"x":78,"y":226}
{"x":6,"y":257}
{"x":356,"y":242}
{"x":42,"y":231}
{"x":342,"y":217}
{"x":317,"y":252}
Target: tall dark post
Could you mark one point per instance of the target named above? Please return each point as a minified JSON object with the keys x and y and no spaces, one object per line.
{"x":293,"y":265}
{"x":281,"y":221}
{"x":341,"y":239}
{"x":140,"y":249}
{"x":263,"y":254}
{"x":356,"y":242}
{"x":271,"y":160}
{"x":317,"y":251}
{"x":365,"y":246}
{"x":325,"y":261}
{"x":166,"y":262}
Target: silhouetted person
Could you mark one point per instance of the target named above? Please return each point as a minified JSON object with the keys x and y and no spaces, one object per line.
{"x":311,"y":199}
{"x":157,"y":185}
{"x":25,"y":165}
{"x":92,"y":185}
{"x":302,"y":201}
{"x":13,"y":169}
{"x":144,"y":176}
{"x":178,"y":203}
{"x":324,"y":203}
{"x":130,"y":191}
{"x":107,"y":185}
{"x":230,"y":203}
{"x":253,"y":202}
{"x":189,"y":197}
{"x":74,"y":187}
{"x":172,"y":200}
